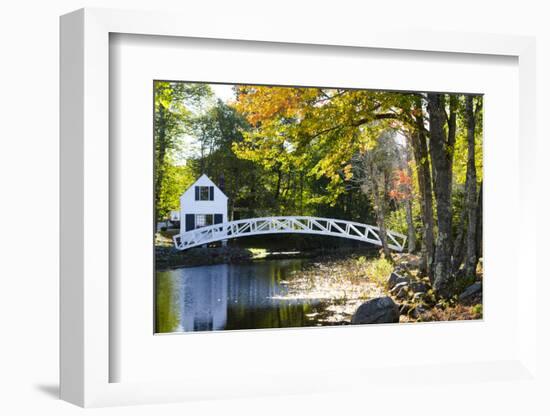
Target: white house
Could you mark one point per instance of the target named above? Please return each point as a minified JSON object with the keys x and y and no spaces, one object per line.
{"x":175,"y":215}
{"x":202,"y":204}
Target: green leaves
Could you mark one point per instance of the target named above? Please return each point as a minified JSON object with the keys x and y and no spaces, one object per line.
{"x":175,"y":180}
{"x":171,"y":120}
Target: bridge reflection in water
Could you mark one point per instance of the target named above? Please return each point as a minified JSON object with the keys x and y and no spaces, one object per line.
{"x":234,"y":296}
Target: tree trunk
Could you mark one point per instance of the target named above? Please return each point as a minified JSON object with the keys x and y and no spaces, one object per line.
{"x":441,"y":153}
{"x":301,"y":193}
{"x":233,"y":197}
{"x":411,"y":236}
{"x":479,"y":223}
{"x":470,"y":262}
{"x":161,"y":140}
{"x":379,"y":208}
{"x":458,"y":244}
{"x":423,"y":173}
{"x":278,"y":187}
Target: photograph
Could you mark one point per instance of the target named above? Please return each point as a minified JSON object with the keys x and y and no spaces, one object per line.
{"x":308,"y":206}
{"x":267,"y":208}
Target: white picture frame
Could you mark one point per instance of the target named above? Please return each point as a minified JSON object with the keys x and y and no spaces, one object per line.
{"x":85,"y":165}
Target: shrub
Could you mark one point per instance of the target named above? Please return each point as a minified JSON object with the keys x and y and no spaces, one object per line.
{"x":477,"y":310}
{"x":379,"y":270}
{"x":361,"y":261}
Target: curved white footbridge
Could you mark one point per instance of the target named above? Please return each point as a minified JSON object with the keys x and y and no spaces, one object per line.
{"x":282,"y":225}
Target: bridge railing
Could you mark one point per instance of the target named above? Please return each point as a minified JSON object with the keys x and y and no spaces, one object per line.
{"x":288,"y":224}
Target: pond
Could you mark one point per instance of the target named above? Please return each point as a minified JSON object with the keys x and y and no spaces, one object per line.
{"x":232,"y":296}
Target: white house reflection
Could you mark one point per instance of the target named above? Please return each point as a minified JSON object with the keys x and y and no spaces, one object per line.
{"x":235,"y":296}
{"x":203,"y":294}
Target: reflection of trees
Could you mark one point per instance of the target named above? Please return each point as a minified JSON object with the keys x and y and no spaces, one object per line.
{"x":251,"y":291}
{"x":218,"y":297}
{"x":167,"y":316}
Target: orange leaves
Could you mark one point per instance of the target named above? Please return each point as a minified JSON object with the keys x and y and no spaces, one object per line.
{"x":402,"y":186}
{"x":315,"y":130}
{"x":394,"y":194}
{"x":403,"y":179}
{"x":416,"y":111}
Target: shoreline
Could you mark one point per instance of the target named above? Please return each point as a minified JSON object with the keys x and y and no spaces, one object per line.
{"x":341,"y":279}
{"x":168,"y":258}
{"x":346,"y":283}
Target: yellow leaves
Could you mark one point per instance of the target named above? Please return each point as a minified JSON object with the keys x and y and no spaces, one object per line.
{"x":367,"y":144}
{"x":348,"y":172}
{"x":261,"y":103}
{"x":163,"y":94}
{"x":316,"y":130}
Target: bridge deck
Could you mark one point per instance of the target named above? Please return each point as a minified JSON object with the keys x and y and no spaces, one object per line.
{"x":281,"y":225}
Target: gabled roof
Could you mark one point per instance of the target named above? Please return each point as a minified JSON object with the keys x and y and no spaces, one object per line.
{"x":203,"y":180}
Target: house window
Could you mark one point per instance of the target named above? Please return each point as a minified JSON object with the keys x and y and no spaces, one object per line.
{"x":204,"y":193}
{"x":203,"y":220}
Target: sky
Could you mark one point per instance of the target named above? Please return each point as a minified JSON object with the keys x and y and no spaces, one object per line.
{"x":223,"y":92}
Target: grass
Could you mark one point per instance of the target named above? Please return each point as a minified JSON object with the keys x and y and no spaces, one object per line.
{"x":377,"y":270}
{"x":258,"y":253}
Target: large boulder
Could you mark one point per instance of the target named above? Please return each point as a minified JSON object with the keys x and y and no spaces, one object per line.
{"x":377,"y":311}
{"x":470,"y":291}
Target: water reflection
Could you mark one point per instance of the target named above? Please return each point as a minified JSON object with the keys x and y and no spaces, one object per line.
{"x":203,"y":292}
{"x":235,"y":296}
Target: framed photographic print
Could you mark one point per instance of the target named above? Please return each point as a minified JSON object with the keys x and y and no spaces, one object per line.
{"x":250,"y":214}
{"x":294,"y":162}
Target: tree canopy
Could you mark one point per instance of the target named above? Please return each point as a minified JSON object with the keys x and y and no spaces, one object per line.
{"x":409,"y":161}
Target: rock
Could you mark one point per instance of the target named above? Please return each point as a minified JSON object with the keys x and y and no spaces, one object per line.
{"x":395,"y":279}
{"x":399,"y":270}
{"x":376,"y":311}
{"x":404,"y":309}
{"x":408,"y":261}
{"x":417,"y":311}
{"x":404,"y":287}
{"x":401,"y":290}
{"x":418,"y":296}
{"x":399,"y":286}
{"x":414,"y":262}
{"x":419,"y":287}
{"x":440,"y":305}
{"x":470,"y":291}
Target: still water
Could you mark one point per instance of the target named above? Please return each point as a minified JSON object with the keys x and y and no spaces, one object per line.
{"x":231,"y":296}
